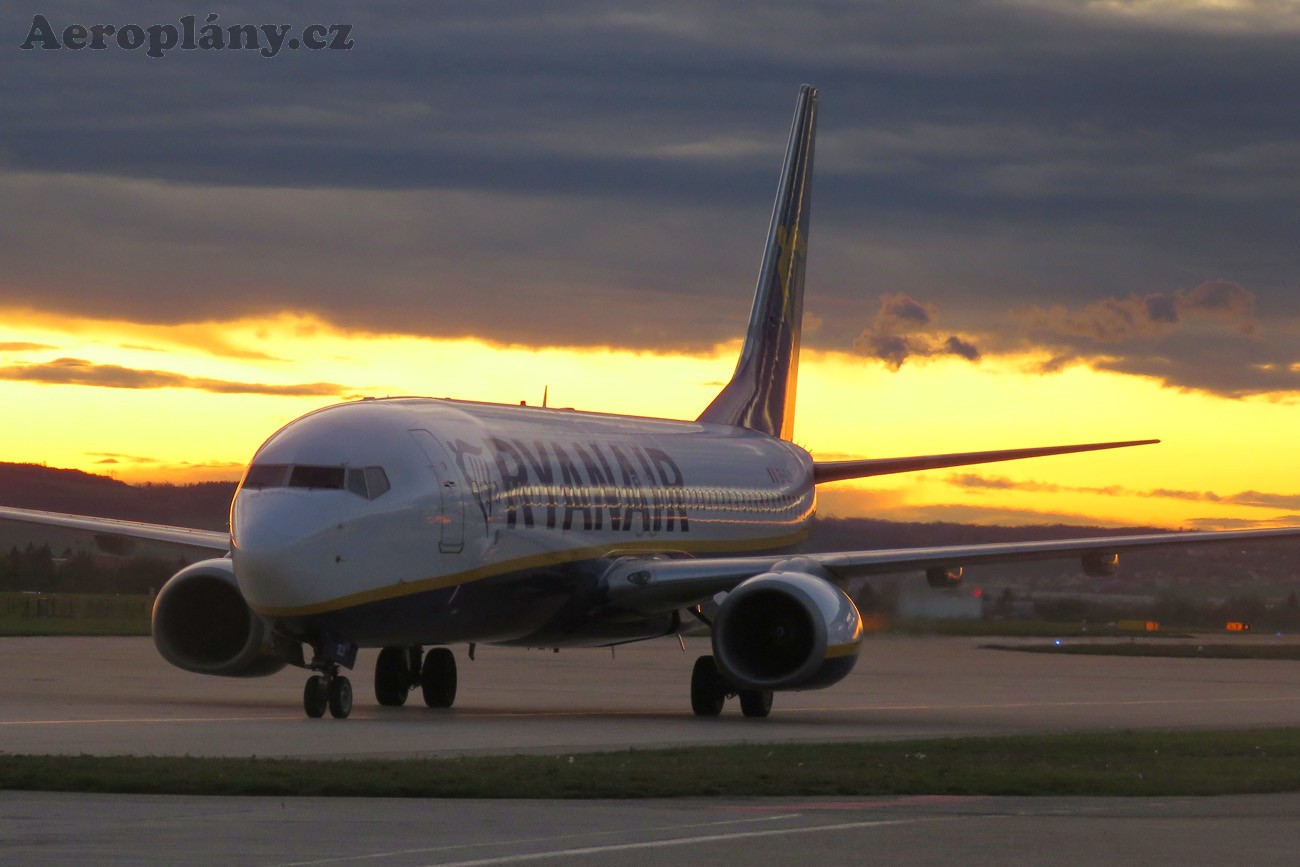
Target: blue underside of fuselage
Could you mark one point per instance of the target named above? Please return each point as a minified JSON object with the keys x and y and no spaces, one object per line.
{"x":556,"y":606}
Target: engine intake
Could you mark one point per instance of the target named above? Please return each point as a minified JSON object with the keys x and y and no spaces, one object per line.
{"x":202,"y":624}
{"x":786,"y":631}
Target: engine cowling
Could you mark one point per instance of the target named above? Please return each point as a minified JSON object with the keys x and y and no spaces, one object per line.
{"x":202,"y":624}
{"x":944,"y":577}
{"x":1100,"y":564}
{"x":786,"y":631}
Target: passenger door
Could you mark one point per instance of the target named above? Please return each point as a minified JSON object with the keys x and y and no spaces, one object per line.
{"x":452,"y":518}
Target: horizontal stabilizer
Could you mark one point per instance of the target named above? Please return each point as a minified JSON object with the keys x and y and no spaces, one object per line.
{"x":834,"y":471}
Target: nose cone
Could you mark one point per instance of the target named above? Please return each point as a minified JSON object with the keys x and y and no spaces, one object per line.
{"x":287,"y":546}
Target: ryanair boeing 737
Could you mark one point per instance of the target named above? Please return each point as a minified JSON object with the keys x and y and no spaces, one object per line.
{"x":413,"y":523}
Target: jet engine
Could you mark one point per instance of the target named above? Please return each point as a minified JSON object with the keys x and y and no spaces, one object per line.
{"x":1100,"y":564}
{"x":202,"y":624}
{"x":786,"y":631}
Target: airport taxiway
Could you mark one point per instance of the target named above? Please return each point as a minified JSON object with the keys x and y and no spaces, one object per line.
{"x":92,"y":830}
{"x":115,"y":696}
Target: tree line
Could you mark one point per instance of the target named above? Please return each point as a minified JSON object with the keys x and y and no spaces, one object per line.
{"x":36,"y":569}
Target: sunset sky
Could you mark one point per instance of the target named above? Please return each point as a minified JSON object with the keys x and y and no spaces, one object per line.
{"x":1034,"y":222}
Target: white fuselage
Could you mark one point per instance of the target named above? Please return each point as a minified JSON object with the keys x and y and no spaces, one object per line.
{"x":467,"y":500}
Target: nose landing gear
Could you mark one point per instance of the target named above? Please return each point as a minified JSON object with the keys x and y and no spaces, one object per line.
{"x":327,"y":690}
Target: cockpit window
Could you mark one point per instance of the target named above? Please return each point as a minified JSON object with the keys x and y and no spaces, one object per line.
{"x":267,"y":476}
{"x":306,"y":476}
{"x":367,"y":482}
{"x":377,"y":481}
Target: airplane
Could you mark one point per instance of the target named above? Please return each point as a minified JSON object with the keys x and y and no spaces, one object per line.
{"x":409,"y":523}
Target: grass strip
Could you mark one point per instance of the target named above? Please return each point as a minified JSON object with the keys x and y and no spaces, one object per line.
{"x":1108,"y":764}
{"x":73,"y":614}
{"x":1178,"y":651}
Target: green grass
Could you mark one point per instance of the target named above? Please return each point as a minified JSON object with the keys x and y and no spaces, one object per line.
{"x":1179,"y":651}
{"x":1124,"y":764}
{"x":73,"y":614}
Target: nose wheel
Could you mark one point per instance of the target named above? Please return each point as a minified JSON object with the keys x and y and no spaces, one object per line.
{"x":328,"y":691}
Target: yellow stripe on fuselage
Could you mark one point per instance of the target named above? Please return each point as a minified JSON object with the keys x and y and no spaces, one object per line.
{"x":523,"y":564}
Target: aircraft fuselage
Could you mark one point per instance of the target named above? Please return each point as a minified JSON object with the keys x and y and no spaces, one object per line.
{"x":424,"y":521}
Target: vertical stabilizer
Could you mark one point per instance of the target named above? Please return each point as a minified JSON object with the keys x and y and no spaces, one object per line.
{"x":761,"y":392}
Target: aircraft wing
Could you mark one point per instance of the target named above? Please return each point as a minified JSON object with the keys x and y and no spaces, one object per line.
{"x":119,"y":537}
{"x":662,"y":585}
{"x":834,"y":471}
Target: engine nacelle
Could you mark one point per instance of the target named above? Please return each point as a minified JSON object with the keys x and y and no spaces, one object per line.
{"x":1100,"y":564}
{"x":943,"y":577}
{"x":202,"y":624}
{"x":786,"y":630}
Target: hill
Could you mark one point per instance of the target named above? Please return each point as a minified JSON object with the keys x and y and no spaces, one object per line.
{"x":205,"y":505}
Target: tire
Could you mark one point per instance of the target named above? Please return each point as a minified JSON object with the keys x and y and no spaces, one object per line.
{"x":340,"y":697}
{"x":708,"y":688}
{"x":438,"y":678}
{"x":756,"y":703}
{"x":392,"y":677}
{"x":315,"y":696}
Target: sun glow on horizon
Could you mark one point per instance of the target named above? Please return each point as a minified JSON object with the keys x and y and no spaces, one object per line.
{"x":188,"y":403}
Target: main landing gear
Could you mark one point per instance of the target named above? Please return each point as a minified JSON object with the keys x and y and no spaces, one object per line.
{"x":710,"y":691}
{"x":399,"y":670}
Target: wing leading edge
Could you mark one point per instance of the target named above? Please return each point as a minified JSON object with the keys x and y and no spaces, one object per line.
{"x":662,"y":585}
{"x":109,"y":533}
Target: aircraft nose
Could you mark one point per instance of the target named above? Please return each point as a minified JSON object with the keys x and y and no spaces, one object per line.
{"x":284,"y":546}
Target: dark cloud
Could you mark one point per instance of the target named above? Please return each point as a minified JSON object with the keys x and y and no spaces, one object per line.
{"x":606,"y":170}
{"x":76,"y":371}
{"x":898,"y":333}
{"x":1211,"y":338}
{"x":1117,"y":320}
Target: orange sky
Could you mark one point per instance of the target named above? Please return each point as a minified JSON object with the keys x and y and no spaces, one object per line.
{"x":1222,"y":463}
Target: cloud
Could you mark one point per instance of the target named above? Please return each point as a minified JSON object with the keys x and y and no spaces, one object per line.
{"x":898,"y":333}
{"x":484,"y":168}
{"x":1212,"y":338}
{"x":1254,"y":499}
{"x":23,"y":347}
{"x":851,"y":501}
{"x":1120,"y":320}
{"x":76,"y":371}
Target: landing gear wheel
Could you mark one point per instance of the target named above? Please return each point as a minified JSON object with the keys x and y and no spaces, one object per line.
{"x":756,"y":703}
{"x":315,"y":696}
{"x":709,"y":689}
{"x":340,"y":697}
{"x":393,"y":676}
{"x":438,"y":678}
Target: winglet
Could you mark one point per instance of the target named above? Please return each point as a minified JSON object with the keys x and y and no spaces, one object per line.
{"x":761,"y":392}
